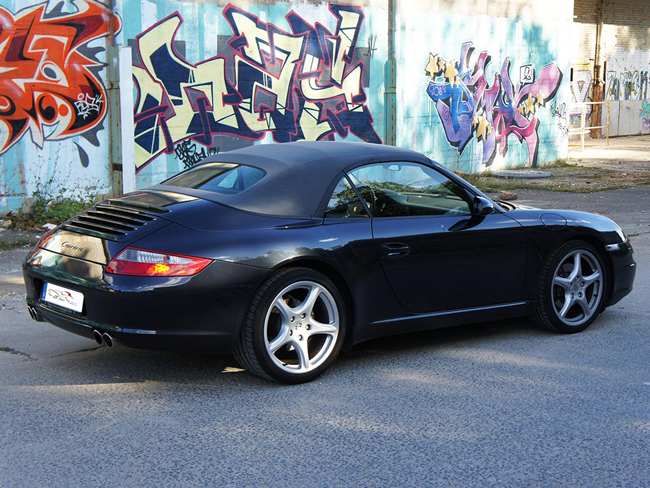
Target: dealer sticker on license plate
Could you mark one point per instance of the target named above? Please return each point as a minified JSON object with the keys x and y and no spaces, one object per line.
{"x":63,"y":297}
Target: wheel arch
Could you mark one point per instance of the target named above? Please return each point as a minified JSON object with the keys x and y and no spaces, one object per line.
{"x":341,"y":283}
{"x":607,"y":259}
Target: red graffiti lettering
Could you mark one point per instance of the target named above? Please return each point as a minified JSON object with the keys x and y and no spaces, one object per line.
{"x":48,"y":83}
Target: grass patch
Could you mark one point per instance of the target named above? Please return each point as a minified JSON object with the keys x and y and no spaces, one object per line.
{"x":13,"y":351}
{"x":560,"y":163}
{"x":7,"y":244}
{"x":44,"y":208}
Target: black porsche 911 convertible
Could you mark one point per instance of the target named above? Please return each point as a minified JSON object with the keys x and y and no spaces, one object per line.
{"x":284,"y":254}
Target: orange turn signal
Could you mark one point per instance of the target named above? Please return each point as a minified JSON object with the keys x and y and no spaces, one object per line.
{"x":142,"y":262}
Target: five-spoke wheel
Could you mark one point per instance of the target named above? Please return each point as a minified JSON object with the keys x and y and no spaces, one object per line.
{"x":577,"y":287}
{"x":295,"y":327}
{"x":573,"y":284}
{"x":301,"y":327}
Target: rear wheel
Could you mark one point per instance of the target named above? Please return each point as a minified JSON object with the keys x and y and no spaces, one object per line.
{"x":294,"y":328}
{"x":572,"y":291}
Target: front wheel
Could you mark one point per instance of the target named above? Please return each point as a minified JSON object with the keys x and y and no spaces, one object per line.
{"x":294,"y":328}
{"x":572,"y":289}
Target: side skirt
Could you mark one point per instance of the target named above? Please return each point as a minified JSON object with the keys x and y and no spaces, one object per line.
{"x":439,"y":320}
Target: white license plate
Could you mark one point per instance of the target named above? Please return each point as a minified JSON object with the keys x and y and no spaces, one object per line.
{"x":63,"y":297}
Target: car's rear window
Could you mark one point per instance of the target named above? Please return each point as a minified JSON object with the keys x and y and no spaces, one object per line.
{"x":227,"y":178}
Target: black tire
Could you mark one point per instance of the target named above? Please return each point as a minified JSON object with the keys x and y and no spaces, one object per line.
{"x":269,"y":322}
{"x":560,"y":287}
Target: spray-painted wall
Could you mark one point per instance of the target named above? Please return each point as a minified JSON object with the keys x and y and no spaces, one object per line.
{"x":212,"y":78}
{"x":484,"y":92}
{"x":477,"y":89}
{"x":53,"y":99}
{"x":626,"y":82}
{"x":626,"y":54}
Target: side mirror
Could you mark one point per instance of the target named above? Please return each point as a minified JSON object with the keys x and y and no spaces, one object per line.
{"x":482,"y":206}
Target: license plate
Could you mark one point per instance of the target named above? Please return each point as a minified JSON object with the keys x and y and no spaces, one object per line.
{"x":63,"y":297}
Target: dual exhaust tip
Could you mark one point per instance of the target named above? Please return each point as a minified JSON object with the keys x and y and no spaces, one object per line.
{"x":102,"y":338}
{"x":33,"y":313}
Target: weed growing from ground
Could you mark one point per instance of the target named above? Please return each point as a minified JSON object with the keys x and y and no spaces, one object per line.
{"x":44,"y":208}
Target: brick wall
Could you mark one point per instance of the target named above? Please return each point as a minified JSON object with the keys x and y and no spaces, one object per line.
{"x":585,"y":17}
{"x":627,"y":26}
{"x":625,"y":60}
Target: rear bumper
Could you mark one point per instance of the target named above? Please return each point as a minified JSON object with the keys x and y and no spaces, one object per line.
{"x":208,"y":341}
{"x":623,"y":271}
{"x":203,"y":312}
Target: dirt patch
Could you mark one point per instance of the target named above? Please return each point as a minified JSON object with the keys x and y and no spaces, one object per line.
{"x":13,"y":239}
{"x":568,"y":177}
{"x":622,"y":163}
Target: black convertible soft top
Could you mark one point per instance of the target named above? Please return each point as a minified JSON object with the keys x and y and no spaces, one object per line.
{"x":297,"y":173}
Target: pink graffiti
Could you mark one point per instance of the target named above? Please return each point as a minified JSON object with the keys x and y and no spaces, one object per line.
{"x":470,"y":108}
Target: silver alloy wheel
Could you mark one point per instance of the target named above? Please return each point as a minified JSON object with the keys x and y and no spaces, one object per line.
{"x":301,"y":327}
{"x":577,"y":288}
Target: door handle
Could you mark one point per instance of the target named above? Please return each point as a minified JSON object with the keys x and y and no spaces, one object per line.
{"x":395,"y":249}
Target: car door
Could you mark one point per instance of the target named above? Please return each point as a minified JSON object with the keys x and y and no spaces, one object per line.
{"x":436,"y":254}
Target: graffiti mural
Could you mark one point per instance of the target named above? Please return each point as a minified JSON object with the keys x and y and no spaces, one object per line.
{"x":628,"y":85}
{"x":469,"y":108}
{"x":299,"y":85}
{"x":581,"y":91}
{"x":49,"y":82}
{"x":645,"y":115}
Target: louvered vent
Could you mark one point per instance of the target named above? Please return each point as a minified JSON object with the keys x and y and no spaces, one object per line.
{"x":114,"y":220}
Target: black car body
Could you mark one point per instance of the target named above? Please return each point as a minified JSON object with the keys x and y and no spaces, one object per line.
{"x":396,"y":257}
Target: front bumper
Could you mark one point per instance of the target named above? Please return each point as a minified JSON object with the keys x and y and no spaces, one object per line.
{"x":202,"y":312}
{"x":623,"y":270}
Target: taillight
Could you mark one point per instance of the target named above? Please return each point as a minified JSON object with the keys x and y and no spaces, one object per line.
{"x":41,"y":244}
{"x":140,"y":262}
{"x":46,"y":237}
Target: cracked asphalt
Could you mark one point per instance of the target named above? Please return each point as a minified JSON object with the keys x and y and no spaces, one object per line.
{"x":498,"y":404}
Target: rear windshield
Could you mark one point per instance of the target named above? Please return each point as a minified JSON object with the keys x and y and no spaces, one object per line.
{"x":226,"y":178}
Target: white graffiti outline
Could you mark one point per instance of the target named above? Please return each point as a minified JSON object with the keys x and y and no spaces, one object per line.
{"x":86,"y":104}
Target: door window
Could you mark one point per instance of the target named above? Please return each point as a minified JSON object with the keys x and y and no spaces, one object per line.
{"x":344,"y":202}
{"x":409,"y":189}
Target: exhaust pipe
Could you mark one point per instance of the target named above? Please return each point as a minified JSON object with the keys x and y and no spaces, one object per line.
{"x":33,"y":313}
{"x":108,"y":340}
{"x":98,"y":337}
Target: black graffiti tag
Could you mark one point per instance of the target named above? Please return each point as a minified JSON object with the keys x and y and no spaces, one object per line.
{"x":190,"y":155}
{"x":559,"y":111}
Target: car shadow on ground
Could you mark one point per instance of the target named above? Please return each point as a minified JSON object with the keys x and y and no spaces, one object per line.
{"x":437,"y":338}
{"x":121,"y":365}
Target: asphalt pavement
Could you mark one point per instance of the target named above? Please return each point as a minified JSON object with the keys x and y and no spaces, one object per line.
{"x":498,"y":404}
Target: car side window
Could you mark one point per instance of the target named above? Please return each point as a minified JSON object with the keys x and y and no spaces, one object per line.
{"x":409,"y":189}
{"x":344,"y":202}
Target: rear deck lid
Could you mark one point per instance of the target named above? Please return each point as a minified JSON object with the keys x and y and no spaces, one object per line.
{"x":106,"y":228}
{"x":103,"y":230}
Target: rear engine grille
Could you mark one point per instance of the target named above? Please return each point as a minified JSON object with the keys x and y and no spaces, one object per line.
{"x":114,"y":220}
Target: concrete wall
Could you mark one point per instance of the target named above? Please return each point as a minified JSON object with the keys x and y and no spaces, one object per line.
{"x":481,"y":85}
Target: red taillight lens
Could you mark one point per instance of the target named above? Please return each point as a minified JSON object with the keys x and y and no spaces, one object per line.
{"x":47,"y":237}
{"x":41,"y":244}
{"x":140,"y":262}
